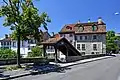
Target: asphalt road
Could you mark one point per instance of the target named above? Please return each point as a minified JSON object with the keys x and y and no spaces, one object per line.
{"x":106,"y":69}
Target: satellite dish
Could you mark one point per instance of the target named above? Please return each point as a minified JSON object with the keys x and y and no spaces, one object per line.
{"x":117,"y":13}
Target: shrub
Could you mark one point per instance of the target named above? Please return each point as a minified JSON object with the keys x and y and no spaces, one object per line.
{"x":7,"y":53}
{"x":35,"y":52}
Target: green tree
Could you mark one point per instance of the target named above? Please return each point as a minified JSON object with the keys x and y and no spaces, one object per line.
{"x":110,"y":41}
{"x":24,"y":19}
{"x":36,"y":52}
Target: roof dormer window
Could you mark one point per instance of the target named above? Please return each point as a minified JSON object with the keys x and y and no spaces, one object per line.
{"x":68,"y":27}
{"x":94,"y":28}
{"x":80,"y":28}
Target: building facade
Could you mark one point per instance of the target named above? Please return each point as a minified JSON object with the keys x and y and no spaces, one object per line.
{"x":87,"y":38}
{"x":26,"y":45}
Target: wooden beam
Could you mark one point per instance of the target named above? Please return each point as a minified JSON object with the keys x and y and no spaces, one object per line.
{"x":44,"y":50}
{"x":55,"y":53}
{"x":66,"y":52}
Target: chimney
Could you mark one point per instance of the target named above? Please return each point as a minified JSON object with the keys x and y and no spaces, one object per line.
{"x":89,"y":20}
{"x":6,"y":36}
{"x":53,"y":33}
{"x":78,"y":22}
{"x":100,"y":20}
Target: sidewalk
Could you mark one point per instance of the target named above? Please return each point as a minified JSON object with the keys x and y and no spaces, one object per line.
{"x":20,"y":73}
{"x":81,"y":61}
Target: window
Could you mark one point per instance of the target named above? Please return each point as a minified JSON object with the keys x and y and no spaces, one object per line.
{"x":1,"y":43}
{"x":75,"y":37}
{"x":4,"y":43}
{"x":7,"y":43}
{"x":14,"y":44}
{"x":94,"y":47}
{"x":30,"y":41}
{"x":81,"y":29}
{"x":23,"y":43}
{"x":94,"y":37}
{"x":80,"y":37}
{"x":85,"y":37}
{"x":10,"y":43}
{"x":78,"y":46}
{"x":52,"y":47}
{"x":70,"y":35}
{"x":94,"y":28}
{"x":83,"y":46}
{"x":69,"y":27}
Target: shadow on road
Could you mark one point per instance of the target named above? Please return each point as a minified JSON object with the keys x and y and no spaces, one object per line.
{"x":44,"y":69}
{"x":2,"y":75}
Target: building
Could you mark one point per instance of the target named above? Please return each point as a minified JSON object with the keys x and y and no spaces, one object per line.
{"x":26,"y":45}
{"x":86,"y":38}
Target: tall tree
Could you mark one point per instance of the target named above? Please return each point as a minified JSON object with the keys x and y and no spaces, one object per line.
{"x":110,"y":41}
{"x":24,"y":19}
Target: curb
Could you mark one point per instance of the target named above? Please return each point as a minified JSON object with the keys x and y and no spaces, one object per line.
{"x":86,"y":62}
{"x":17,"y":76}
{"x":37,"y":72}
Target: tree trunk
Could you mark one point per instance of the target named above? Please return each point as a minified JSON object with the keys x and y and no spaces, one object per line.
{"x":18,"y":49}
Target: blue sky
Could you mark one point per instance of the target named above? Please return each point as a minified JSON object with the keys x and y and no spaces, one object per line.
{"x":64,"y":12}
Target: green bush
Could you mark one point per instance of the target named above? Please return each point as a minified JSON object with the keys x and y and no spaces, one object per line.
{"x":35,"y":52}
{"x":7,"y":53}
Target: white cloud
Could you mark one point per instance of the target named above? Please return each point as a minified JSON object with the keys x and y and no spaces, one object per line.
{"x":117,"y":13}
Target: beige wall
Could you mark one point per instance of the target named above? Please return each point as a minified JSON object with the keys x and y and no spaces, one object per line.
{"x":100,"y":41}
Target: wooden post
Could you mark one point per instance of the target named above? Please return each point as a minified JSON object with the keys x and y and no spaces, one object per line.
{"x":66,"y":53}
{"x":44,"y":50}
{"x":55,"y":54}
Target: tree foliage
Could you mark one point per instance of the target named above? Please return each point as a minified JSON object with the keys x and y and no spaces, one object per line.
{"x":110,"y":41}
{"x":23,"y":14}
{"x":7,"y":54}
{"x":36,"y":52}
{"x":23,"y":18}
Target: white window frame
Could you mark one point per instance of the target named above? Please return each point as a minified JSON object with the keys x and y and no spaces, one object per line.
{"x":82,"y":47}
{"x":77,"y":46}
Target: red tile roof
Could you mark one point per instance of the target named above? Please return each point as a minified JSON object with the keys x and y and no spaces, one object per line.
{"x":87,"y":28}
{"x":52,"y":40}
